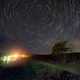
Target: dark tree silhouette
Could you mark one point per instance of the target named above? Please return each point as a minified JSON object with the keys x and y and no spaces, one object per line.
{"x":59,"y":50}
{"x":60,"y":47}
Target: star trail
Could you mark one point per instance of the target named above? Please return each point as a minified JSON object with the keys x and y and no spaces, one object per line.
{"x":38,"y":23}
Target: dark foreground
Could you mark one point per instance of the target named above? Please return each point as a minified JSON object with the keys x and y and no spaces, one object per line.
{"x":32,"y":71}
{"x":16,"y":73}
{"x":71,"y":58}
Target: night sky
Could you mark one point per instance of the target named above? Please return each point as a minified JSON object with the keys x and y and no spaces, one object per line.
{"x":39,"y":23}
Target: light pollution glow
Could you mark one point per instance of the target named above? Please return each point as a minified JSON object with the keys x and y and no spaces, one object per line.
{"x":15,"y":55}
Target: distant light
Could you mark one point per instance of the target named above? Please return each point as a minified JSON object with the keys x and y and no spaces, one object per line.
{"x":15,"y":55}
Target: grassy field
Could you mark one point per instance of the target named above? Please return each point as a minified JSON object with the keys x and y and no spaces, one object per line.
{"x":73,"y":68}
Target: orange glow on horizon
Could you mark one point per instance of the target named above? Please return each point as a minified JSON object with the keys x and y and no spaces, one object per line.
{"x":16,"y":55}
